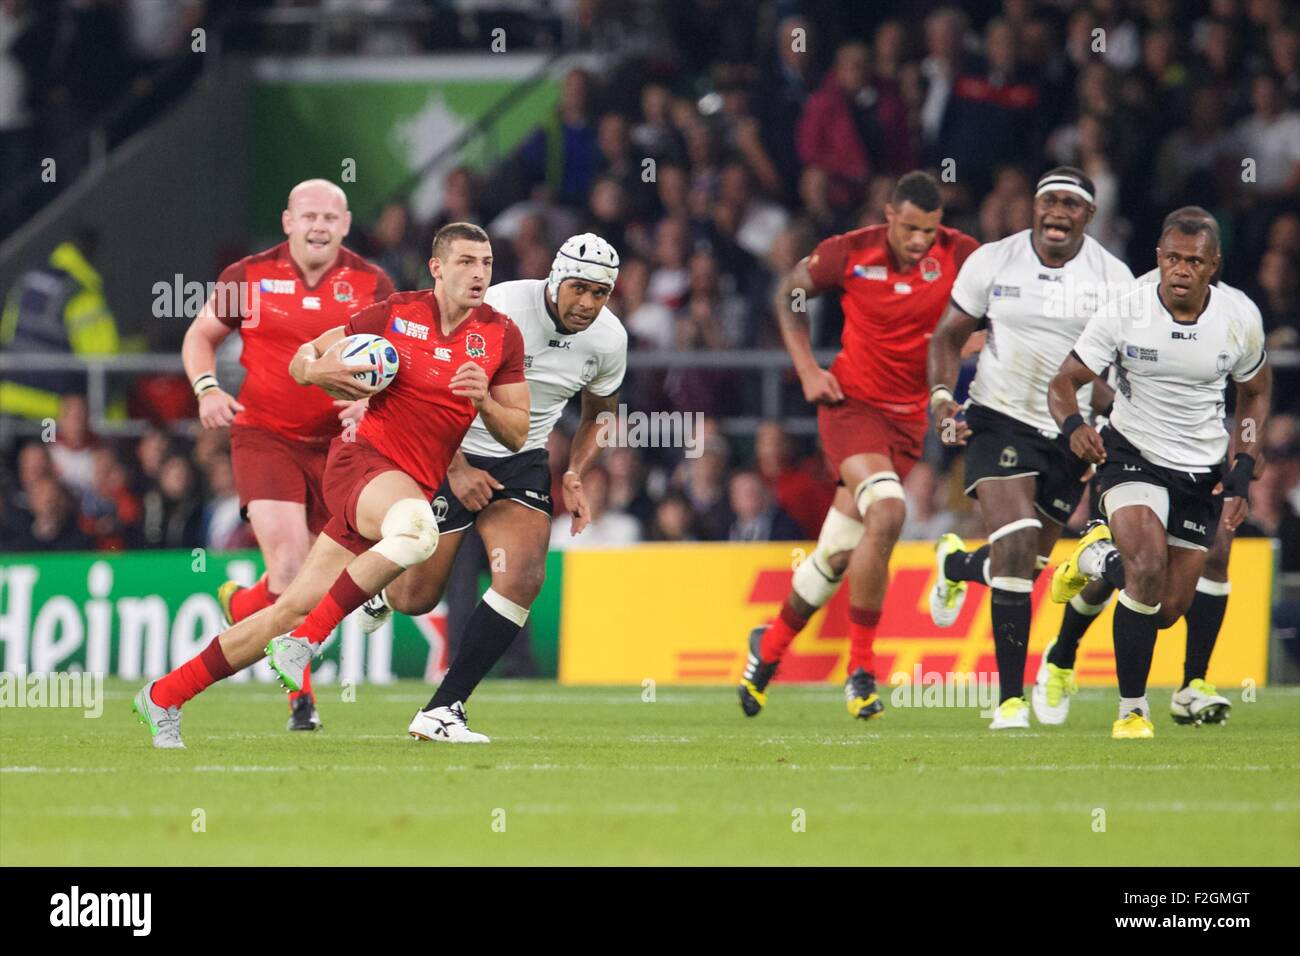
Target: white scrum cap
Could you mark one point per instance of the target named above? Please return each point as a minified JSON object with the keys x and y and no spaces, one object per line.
{"x":583,"y":257}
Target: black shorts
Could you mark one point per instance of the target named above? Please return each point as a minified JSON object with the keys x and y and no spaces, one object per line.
{"x":1194,"y":509}
{"x":527,"y":480}
{"x":1003,"y":447}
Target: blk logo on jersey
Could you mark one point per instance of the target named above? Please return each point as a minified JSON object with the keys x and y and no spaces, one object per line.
{"x":1185,"y":336}
{"x":412,"y":329}
{"x":475,"y":347}
{"x":558,"y":343}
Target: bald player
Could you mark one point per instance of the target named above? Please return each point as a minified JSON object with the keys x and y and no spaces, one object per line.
{"x":279,"y":433}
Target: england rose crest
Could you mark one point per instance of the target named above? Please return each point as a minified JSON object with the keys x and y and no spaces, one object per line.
{"x":475,"y":347}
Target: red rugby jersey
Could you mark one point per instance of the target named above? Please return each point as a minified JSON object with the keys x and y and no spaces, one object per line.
{"x":889,"y":314}
{"x":416,"y":422}
{"x":277,"y":312}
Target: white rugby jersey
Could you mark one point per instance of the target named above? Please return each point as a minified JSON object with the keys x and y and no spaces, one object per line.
{"x":1035,"y":313}
{"x":557,"y":365}
{"x":1170,"y":375}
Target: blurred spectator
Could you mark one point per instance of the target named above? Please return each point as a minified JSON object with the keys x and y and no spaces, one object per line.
{"x":109,"y":511}
{"x":608,"y":529}
{"x":53,"y":525}
{"x":927,"y":514}
{"x":650,"y":323}
{"x":756,"y":516}
{"x":838,"y":129}
{"x":993,"y":112}
{"x":784,"y":86}
{"x":801,"y":489}
{"x":73,"y":450}
{"x":173,"y":511}
{"x":701,"y":480}
{"x":563,"y":152}
{"x":674,"y":520}
{"x":1271,"y":137}
{"x":392,"y":247}
{"x":224,"y":528}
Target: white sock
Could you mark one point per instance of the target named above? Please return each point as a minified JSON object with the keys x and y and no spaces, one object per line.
{"x":1093,"y":558}
{"x":1129,"y":704}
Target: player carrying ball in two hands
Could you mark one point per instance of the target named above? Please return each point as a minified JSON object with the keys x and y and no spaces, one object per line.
{"x":459,"y":359}
{"x":572,"y":344}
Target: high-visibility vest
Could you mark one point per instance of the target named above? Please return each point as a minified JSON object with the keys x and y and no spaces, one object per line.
{"x":56,"y":308}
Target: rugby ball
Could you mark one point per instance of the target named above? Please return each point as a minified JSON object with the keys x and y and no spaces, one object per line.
{"x":374,"y":357}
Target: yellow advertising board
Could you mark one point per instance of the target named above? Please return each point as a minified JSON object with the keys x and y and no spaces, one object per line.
{"x":680,"y":614}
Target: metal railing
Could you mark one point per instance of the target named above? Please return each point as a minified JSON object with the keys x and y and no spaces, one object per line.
{"x":771,"y":365}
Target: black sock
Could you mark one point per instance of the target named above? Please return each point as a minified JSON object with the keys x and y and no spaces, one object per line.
{"x":1135,"y":645}
{"x":487,"y":636}
{"x":1073,"y":626}
{"x":967,"y":565}
{"x":1204,"y":618}
{"x":1011,"y":611}
{"x":1112,"y":569}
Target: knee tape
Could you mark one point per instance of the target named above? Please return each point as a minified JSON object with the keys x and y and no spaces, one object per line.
{"x":409,"y":533}
{"x":814,"y":580}
{"x":877,"y":487}
{"x":1014,"y":526}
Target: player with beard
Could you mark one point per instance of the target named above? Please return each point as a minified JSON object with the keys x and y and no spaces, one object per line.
{"x":1034,"y":293}
{"x":1162,"y":457}
{"x":894,"y":280}
{"x":279,"y":435}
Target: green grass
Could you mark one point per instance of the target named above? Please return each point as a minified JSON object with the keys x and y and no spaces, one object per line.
{"x":595,"y":775}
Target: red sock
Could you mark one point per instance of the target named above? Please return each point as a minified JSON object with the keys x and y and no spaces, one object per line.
{"x":862,"y":635}
{"x":343,"y":598}
{"x":306,"y":687}
{"x":201,"y":671}
{"x":780,"y":633}
{"x":248,"y":601}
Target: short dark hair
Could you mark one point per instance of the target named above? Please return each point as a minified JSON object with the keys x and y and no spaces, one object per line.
{"x":1191,"y":212}
{"x":920,"y":189}
{"x":453,"y":231}
{"x":1191,"y":226}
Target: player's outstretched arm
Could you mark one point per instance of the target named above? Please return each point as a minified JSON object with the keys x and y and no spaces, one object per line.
{"x":1253,"y":398}
{"x":585,"y":449}
{"x":790,"y":306}
{"x":1063,"y":403}
{"x":317,"y":363}
{"x":217,"y":408}
{"x":943,"y":365}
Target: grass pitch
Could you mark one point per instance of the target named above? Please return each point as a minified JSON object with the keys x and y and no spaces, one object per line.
{"x":596,"y":775}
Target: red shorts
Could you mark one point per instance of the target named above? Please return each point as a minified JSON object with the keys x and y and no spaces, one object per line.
{"x":349,"y":469}
{"x":271,"y":467}
{"x":855,"y":428}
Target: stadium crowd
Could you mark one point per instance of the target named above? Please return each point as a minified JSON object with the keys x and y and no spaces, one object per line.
{"x":764,"y":141}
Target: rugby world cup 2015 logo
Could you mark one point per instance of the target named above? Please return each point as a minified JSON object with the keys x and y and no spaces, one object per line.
{"x":475,"y":347}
